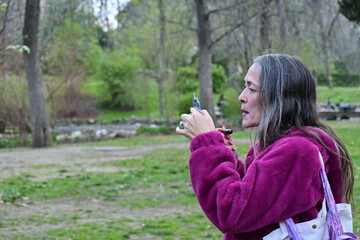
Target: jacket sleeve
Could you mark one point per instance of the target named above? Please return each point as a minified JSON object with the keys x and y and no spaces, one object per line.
{"x":282,"y":182}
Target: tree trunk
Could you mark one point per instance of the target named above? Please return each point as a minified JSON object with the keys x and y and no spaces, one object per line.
{"x":205,"y":57}
{"x":281,"y":21}
{"x":327,"y":69}
{"x":265,"y":25}
{"x":324,"y":42}
{"x":161,"y":55}
{"x":39,"y":119}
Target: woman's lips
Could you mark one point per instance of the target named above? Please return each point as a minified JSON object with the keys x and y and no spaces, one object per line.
{"x":245,"y":113}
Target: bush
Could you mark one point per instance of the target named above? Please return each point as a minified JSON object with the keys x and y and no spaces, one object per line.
{"x":14,"y":108}
{"x":116,"y":72}
{"x":232,"y":110}
{"x":218,"y":77}
{"x":345,"y":80}
{"x":185,"y":102}
{"x":72,"y":54}
{"x":156,"y":130}
{"x":321,"y":79}
{"x":6,"y":143}
{"x":187,"y":79}
{"x":339,"y":79}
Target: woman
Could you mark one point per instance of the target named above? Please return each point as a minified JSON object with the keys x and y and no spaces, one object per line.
{"x":280,"y":177}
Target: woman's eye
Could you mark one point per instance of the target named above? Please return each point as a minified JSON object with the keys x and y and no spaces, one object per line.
{"x":252,"y":90}
{"x":249,"y":88}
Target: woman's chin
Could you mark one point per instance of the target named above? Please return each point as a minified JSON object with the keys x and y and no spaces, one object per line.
{"x":247,"y":124}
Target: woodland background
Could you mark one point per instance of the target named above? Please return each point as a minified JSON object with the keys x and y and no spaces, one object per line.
{"x":109,"y":59}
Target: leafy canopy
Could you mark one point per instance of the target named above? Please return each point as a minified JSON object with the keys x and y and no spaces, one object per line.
{"x":350,"y":9}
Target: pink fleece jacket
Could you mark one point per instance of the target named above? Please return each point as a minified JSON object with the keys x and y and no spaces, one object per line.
{"x":280,"y":182}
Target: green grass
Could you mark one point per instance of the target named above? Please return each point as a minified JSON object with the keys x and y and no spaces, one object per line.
{"x":109,"y":115}
{"x":136,"y":141}
{"x":191,"y":226}
{"x":164,"y":170}
{"x":339,"y":94}
{"x":349,"y":132}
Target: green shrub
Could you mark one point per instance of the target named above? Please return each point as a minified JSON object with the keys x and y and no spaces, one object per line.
{"x":218,"y":77}
{"x":232,"y":109}
{"x":116,"y":72}
{"x":5,"y":143}
{"x":321,"y":79}
{"x":154,"y":130}
{"x":187,"y":79}
{"x":184,"y":103}
{"x":339,"y":79}
{"x":345,"y":80}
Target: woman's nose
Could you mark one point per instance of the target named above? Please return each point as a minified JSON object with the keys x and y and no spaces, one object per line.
{"x":242,"y":97}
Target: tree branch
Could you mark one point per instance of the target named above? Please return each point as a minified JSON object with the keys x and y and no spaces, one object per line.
{"x":180,"y":24}
{"x":226,"y":8}
{"x":332,"y":24}
{"x":232,"y":29}
{"x":149,"y":73}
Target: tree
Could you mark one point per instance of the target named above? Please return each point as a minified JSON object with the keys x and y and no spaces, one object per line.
{"x":350,"y":9}
{"x":206,"y":44}
{"x":38,"y":114}
{"x":160,"y":80}
{"x":205,"y":57}
{"x":10,"y":31}
{"x":265,"y":25}
{"x":162,"y":47}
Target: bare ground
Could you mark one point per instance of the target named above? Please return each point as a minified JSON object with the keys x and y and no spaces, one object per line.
{"x":73,"y":160}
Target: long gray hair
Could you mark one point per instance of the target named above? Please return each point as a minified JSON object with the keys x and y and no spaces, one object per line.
{"x":287,"y":99}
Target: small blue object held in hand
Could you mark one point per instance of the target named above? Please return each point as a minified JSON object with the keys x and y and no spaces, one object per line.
{"x":197,"y":106}
{"x":196,"y":103}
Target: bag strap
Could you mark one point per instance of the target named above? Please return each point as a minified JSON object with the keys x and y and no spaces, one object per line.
{"x":333,"y":218}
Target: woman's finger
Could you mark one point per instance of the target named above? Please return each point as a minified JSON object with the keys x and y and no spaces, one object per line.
{"x":184,"y":133}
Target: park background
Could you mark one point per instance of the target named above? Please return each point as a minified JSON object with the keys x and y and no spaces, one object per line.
{"x":109,"y":62}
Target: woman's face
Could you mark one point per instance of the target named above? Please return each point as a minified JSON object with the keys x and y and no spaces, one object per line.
{"x":249,"y":98}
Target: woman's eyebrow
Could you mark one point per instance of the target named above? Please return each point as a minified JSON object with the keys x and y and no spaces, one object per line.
{"x":249,"y":83}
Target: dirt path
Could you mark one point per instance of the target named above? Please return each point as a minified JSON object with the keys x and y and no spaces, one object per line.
{"x":70,"y":159}
{"x":44,"y":164}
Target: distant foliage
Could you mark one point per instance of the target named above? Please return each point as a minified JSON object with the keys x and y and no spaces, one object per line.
{"x":340,"y":67}
{"x":345,"y":80}
{"x":187,"y":80}
{"x":185,"y":103}
{"x":350,"y":9}
{"x":231,"y":111}
{"x":74,"y":49}
{"x":116,"y":72}
{"x":218,"y":78}
{"x":14,"y":108}
{"x":339,"y":79}
{"x":73,"y":53}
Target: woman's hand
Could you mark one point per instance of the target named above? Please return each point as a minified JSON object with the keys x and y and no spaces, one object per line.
{"x":195,"y":123}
